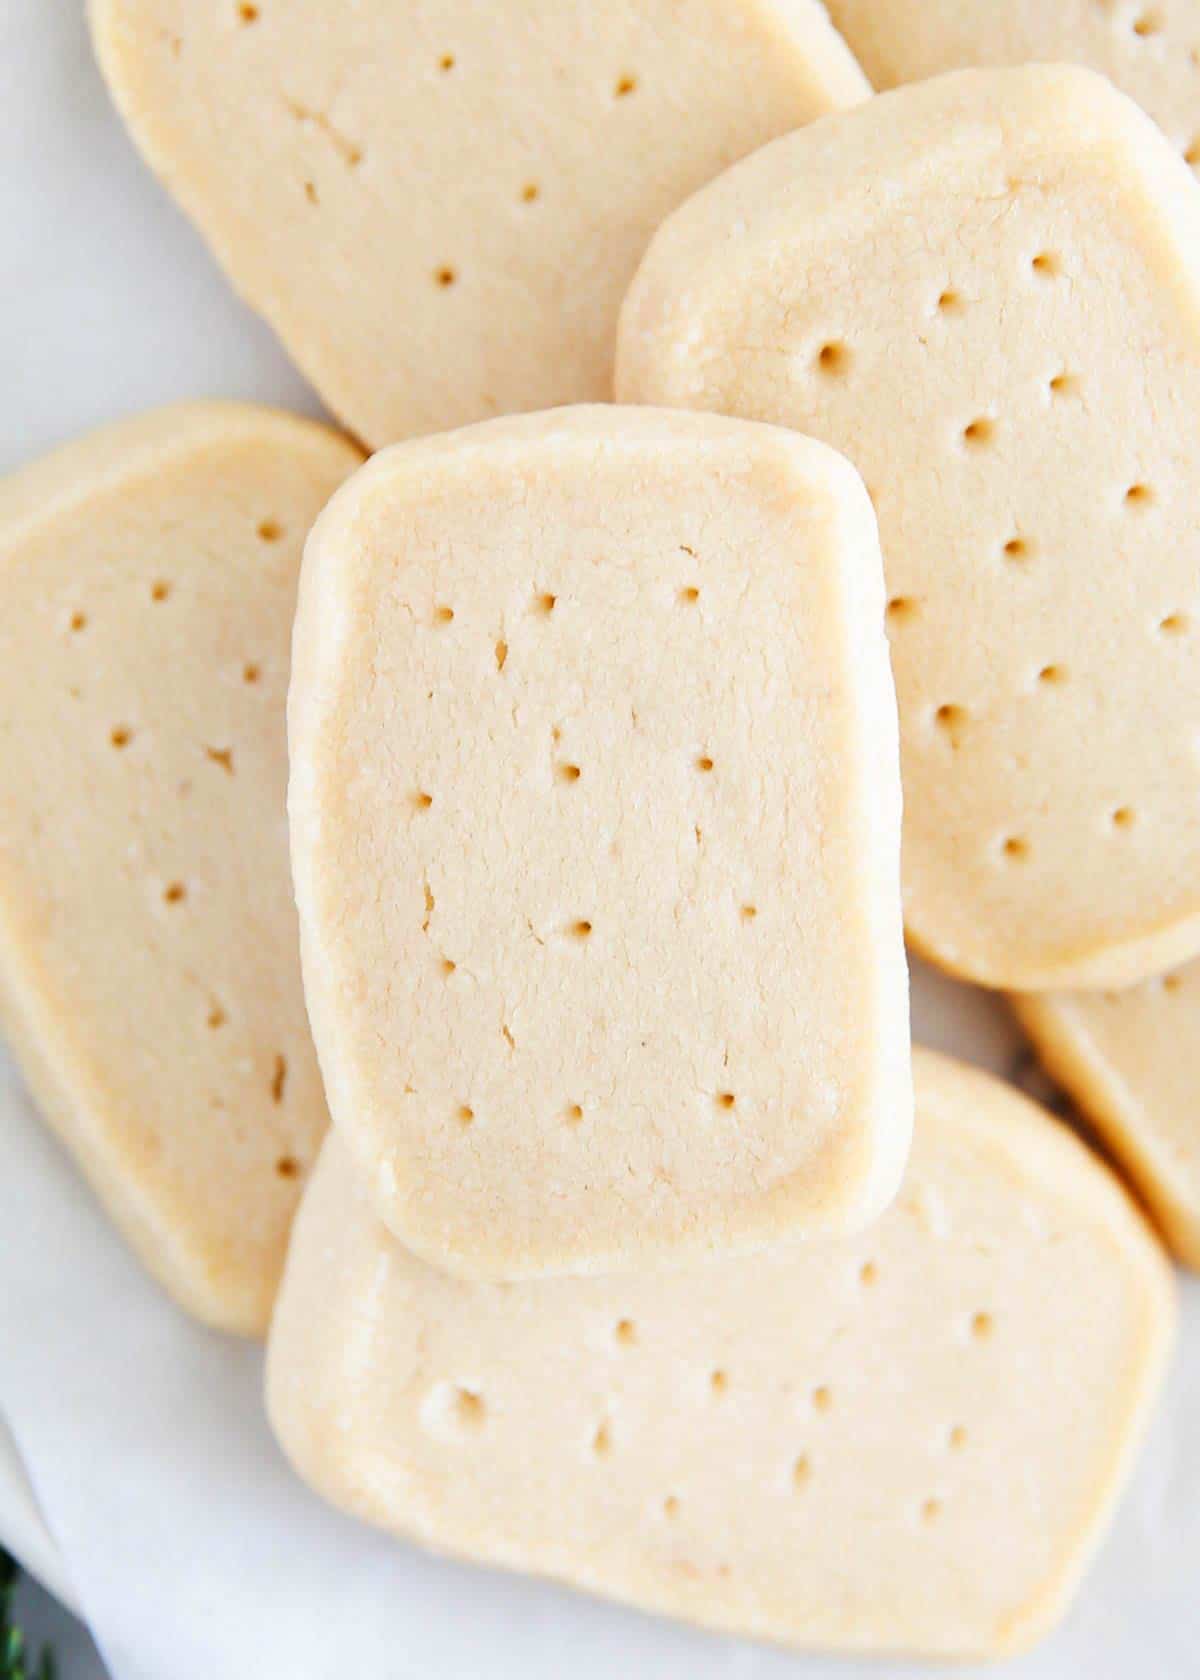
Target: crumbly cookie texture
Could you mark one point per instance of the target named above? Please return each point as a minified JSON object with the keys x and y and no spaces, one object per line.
{"x":909,"y":1442}
{"x":438,"y":206}
{"x":984,"y":290}
{"x":595,"y":815}
{"x":1131,"y":1061}
{"x":1150,"y":51}
{"x":149,"y":968}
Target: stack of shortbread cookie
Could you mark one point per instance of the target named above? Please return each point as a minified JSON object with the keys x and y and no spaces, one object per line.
{"x":644,"y":1252}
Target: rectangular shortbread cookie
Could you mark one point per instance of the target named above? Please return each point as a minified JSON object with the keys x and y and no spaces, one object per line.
{"x":1131,"y":1060}
{"x":439,"y":203}
{"x":595,"y":832}
{"x":1150,"y":49}
{"x":985,"y":290}
{"x":149,"y":970}
{"x":908,"y":1442}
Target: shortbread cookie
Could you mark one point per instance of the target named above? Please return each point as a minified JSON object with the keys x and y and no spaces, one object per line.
{"x":986,"y":291}
{"x":910,"y":1442}
{"x":149,"y":971}
{"x":1131,"y":1060}
{"x":1150,"y":50}
{"x":439,"y":206}
{"x":595,"y":833}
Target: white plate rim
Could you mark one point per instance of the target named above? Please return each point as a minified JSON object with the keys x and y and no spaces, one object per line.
{"x":23,"y":1530}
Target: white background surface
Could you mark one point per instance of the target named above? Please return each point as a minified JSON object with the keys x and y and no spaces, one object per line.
{"x":193,"y":1552}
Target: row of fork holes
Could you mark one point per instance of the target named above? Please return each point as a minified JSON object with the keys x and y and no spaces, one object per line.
{"x":623,"y":86}
{"x":905,"y":609}
{"x":175,"y":893}
{"x":121,"y":736}
{"x":267,"y":531}
{"x":834,"y":358}
{"x":951,"y":719}
{"x":470,"y":1413}
{"x":572,"y":1112}
{"x":980,"y":1327}
{"x":1146,"y":26}
{"x":580,"y":930}
{"x":542,"y":605}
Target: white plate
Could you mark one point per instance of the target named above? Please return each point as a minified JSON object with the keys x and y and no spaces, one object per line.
{"x":23,"y":1530}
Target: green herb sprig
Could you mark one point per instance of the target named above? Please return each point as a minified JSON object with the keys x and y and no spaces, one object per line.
{"x":15,"y":1661}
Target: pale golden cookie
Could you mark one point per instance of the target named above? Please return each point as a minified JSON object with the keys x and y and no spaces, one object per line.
{"x":439,"y":203}
{"x":1131,"y":1060}
{"x":595,"y":832}
{"x":985,"y":290}
{"x":1149,"y":48}
{"x":149,"y":972}
{"x":909,"y":1442}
